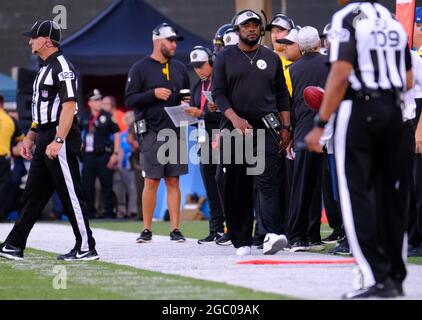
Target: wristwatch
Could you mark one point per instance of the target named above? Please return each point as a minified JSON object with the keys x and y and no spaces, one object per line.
{"x":319,"y":123}
{"x":59,"y":140}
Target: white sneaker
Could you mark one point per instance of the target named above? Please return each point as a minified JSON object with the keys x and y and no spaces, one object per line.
{"x":243,"y":251}
{"x":273,"y":243}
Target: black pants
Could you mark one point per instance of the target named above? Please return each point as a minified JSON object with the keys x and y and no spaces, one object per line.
{"x":285,"y":176}
{"x":46,"y":176}
{"x":331,"y":205}
{"x":415,"y":212}
{"x":95,"y":165}
{"x":237,"y":187}
{"x":368,"y":134}
{"x":4,"y":185}
{"x":208,"y":173}
{"x":208,"y":167}
{"x":305,"y":199}
{"x":406,"y":155}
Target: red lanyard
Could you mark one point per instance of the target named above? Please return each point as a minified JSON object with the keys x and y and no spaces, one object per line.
{"x":203,"y":98}
{"x":91,"y":122}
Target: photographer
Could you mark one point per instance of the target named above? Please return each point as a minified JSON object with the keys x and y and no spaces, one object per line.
{"x":153,"y":83}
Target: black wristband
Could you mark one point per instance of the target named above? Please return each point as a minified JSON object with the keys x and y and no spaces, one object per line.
{"x":319,"y":123}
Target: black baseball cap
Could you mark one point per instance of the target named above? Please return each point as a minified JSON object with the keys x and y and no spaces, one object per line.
{"x":44,"y":28}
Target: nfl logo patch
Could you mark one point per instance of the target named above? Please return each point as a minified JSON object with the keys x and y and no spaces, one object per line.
{"x":44,"y":93}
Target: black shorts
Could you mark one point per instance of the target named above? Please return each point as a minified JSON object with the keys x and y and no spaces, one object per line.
{"x":159,"y":160}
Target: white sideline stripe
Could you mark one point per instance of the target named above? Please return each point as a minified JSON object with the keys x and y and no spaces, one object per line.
{"x":68,"y":82}
{"x":405,"y":247}
{"x":342,"y":124}
{"x":73,"y":197}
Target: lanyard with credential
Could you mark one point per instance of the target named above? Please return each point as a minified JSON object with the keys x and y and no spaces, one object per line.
{"x":203,"y":98}
{"x":91,"y":122}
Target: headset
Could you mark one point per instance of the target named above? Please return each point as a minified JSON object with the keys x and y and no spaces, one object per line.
{"x":261,"y":25}
{"x":286,"y":18}
{"x":211,"y":56}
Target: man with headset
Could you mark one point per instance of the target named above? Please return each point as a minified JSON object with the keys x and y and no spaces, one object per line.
{"x":250,"y":90}
{"x":280,"y":27}
{"x":153,"y":83}
{"x":201,"y":59}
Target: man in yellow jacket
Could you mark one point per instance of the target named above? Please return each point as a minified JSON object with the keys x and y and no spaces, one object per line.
{"x":279,"y":27}
{"x":9,"y":131}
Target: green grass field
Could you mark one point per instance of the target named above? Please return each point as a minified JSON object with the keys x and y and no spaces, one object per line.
{"x":33,"y":278}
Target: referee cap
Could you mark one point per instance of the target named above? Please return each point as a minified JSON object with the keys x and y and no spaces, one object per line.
{"x":44,"y":28}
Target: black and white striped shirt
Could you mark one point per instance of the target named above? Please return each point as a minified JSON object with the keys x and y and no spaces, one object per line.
{"x":55,"y":83}
{"x":368,"y":36}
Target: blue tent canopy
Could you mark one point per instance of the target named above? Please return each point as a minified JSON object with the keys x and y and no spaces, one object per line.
{"x":119,"y":36}
{"x":7,"y":88}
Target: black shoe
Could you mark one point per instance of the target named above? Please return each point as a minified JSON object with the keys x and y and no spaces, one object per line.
{"x":224,"y":240}
{"x":341,"y":249}
{"x":177,"y":236}
{"x":145,"y":236}
{"x":211,"y":238}
{"x":78,"y":255}
{"x":399,"y":287}
{"x":258,"y":241}
{"x":415,"y":251}
{"x":260,"y":247}
{"x":333,"y":237}
{"x":386,"y":289}
{"x":299,"y":245}
{"x":11,"y":252}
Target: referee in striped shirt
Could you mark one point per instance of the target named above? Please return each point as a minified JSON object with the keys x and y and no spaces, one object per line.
{"x":57,"y":140}
{"x":370,"y":68}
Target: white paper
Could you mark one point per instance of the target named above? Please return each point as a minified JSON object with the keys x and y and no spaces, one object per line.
{"x":208,"y":96}
{"x":179,"y":117}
